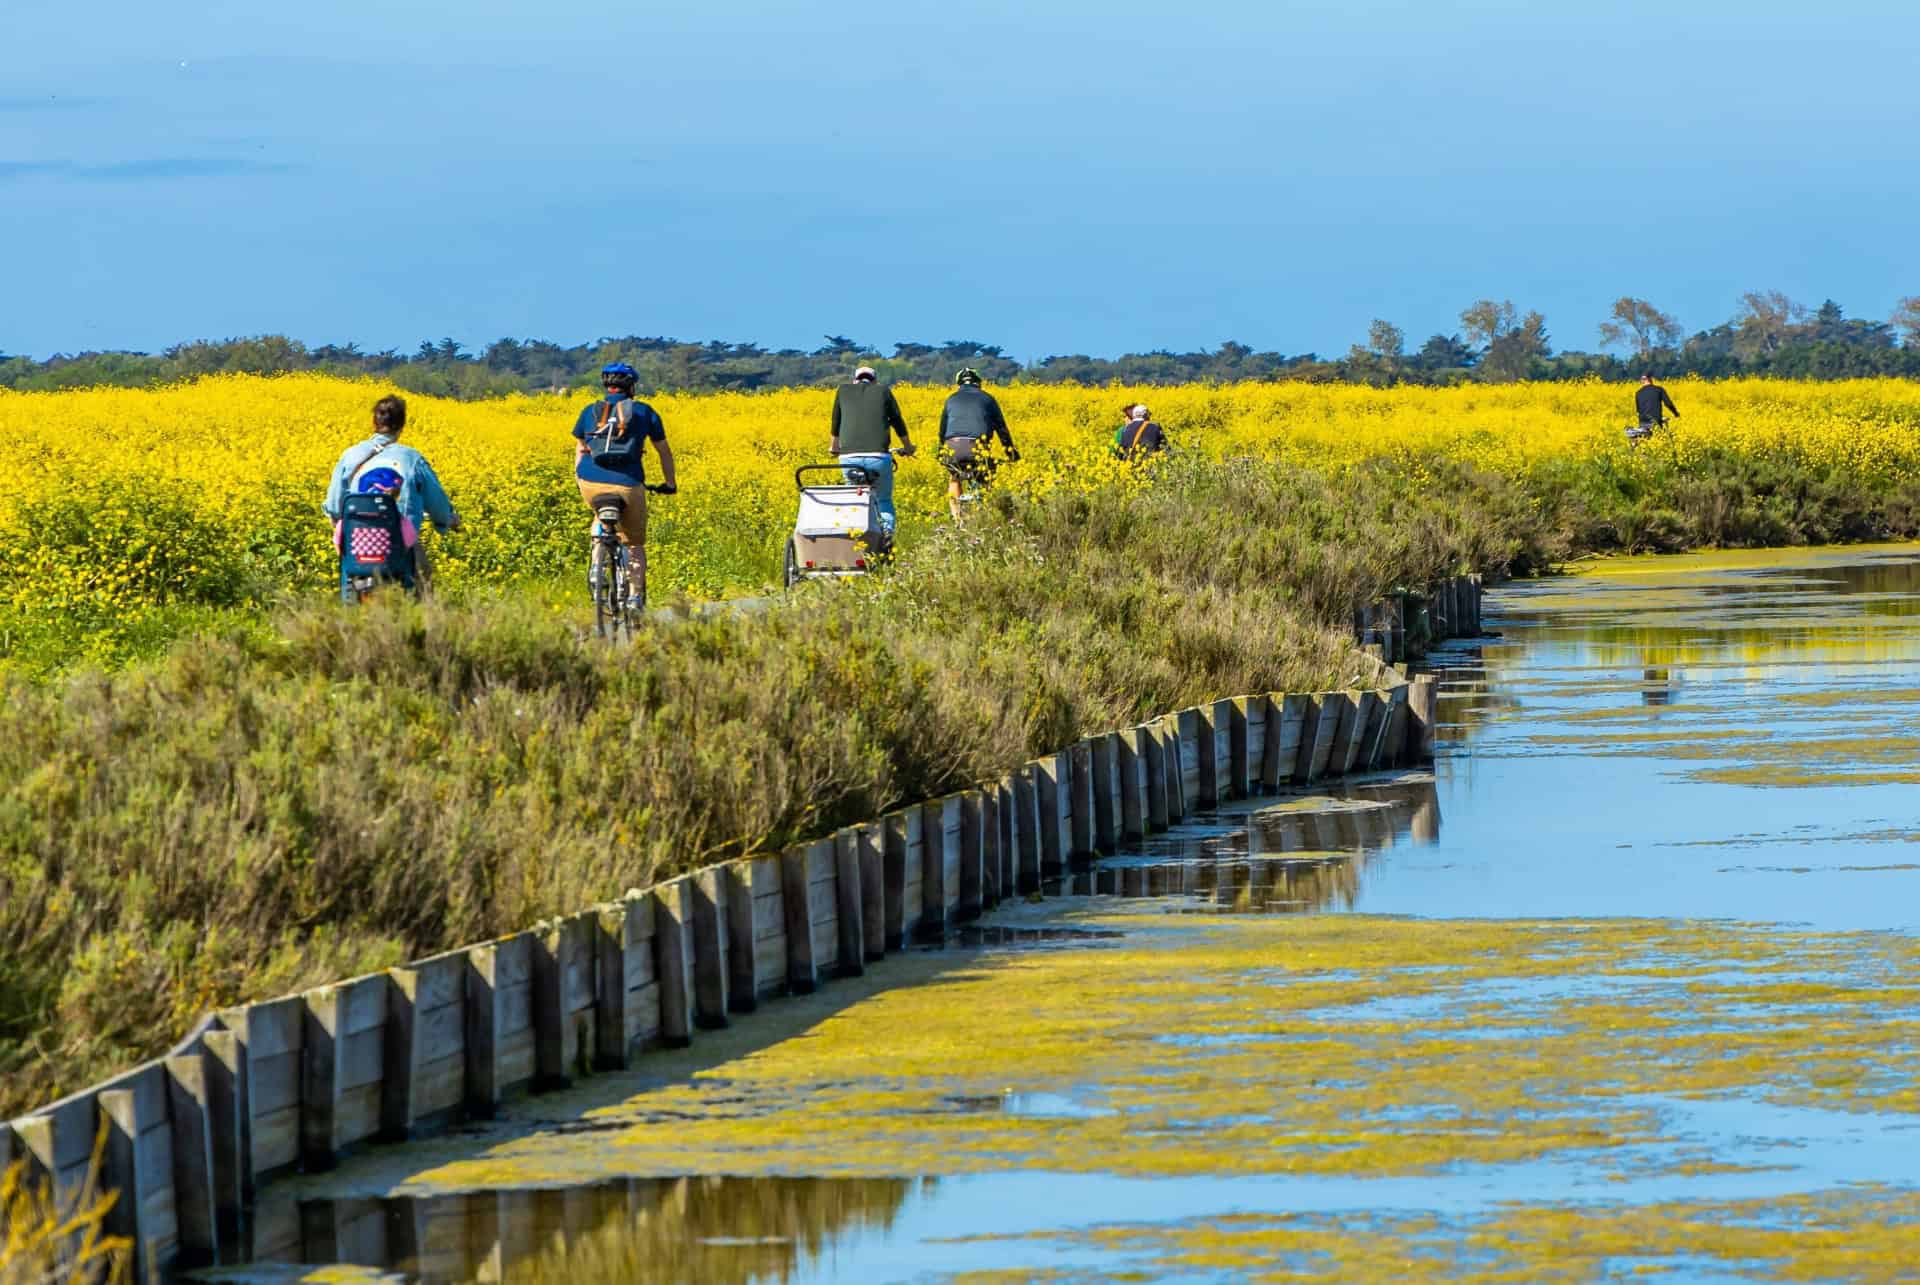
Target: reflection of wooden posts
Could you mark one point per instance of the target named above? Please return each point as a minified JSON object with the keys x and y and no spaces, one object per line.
{"x":1423,"y":707}
{"x":1425,"y":825}
{"x":1080,"y":821}
{"x":1135,"y":809}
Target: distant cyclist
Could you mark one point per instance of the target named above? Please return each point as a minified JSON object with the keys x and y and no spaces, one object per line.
{"x":381,"y":467}
{"x":610,"y":440}
{"x":864,"y":416}
{"x":968,"y":421}
{"x":1649,"y":402}
{"x":1139,"y":437}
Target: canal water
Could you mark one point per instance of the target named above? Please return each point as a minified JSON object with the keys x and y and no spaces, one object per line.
{"x":1628,"y":983}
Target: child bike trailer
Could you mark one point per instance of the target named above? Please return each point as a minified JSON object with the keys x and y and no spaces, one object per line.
{"x":834,"y":533}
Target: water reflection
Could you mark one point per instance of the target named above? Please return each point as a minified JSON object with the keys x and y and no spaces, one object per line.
{"x":1290,"y":855}
{"x":641,"y":1230}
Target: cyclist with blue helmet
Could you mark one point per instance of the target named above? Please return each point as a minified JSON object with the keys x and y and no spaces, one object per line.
{"x":610,"y":439}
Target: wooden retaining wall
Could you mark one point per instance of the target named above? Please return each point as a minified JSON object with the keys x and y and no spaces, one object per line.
{"x":267,"y":1087}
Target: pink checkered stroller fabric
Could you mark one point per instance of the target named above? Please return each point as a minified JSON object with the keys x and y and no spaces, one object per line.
{"x":370,"y":544}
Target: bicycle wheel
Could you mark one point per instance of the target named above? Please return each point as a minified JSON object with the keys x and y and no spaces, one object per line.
{"x":601,"y":577}
{"x":791,"y":573}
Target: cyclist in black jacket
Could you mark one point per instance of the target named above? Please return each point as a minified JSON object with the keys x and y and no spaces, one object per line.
{"x":1649,"y":400}
{"x":969,"y":419}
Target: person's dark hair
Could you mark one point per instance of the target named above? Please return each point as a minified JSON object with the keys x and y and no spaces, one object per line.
{"x":390,"y":414}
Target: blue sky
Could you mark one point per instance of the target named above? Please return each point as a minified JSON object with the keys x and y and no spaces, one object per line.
{"x":1053,"y":177}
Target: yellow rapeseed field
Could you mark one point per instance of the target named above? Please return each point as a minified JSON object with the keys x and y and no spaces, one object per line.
{"x":117,"y":504}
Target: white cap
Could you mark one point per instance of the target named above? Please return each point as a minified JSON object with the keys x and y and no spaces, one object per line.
{"x":865,"y":372}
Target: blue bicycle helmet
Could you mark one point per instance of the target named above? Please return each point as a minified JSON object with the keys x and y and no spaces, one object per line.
{"x":618,"y":373}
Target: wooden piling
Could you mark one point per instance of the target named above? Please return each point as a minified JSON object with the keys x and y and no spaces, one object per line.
{"x":850,"y":930}
{"x":1180,"y":763}
{"x":501,"y":1059}
{"x":673,"y":961}
{"x":905,"y":849}
{"x":424,"y":1081}
{"x":871,"y":841}
{"x":189,"y":1119}
{"x":1190,"y":731}
{"x":1320,"y":719}
{"x":761,"y":880}
{"x":627,"y":982}
{"x":1286,"y":725}
{"x":712,"y":948}
{"x":1080,"y":818}
{"x":139,"y":1165}
{"x":564,"y":954}
{"x":803,"y":966}
{"x":972,"y":854}
{"x":222,"y":1070}
{"x":1010,"y":837}
{"x":1136,"y":810}
{"x":943,"y":845}
{"x":1103,"y":767}
{"x":1159,"y":792}
{"x":1248,"y":747}
{"x":273,"y":1038}
{"x":743,"y":962}
{"x":343,"y":1063}
{"x":1027,"y":812}
{"x":1423,"y":705}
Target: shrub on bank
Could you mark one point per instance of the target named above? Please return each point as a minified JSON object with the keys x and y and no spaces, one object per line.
{"x":256,"y":812}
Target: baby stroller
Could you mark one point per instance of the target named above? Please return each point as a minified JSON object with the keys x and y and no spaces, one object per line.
{"x":835,"y":534}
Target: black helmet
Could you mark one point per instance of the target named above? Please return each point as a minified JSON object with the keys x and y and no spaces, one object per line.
{"x":968,"y":375}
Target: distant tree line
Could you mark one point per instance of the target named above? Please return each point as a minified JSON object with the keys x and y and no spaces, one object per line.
{"x":1770,"y":334}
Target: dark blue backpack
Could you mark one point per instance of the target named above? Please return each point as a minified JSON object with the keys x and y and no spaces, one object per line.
{"x":613,"y":443}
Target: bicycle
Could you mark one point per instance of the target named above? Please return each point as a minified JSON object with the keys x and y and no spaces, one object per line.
{"x":616,"y":604}
{"x":1643,"y":432}
{"x":971,"y":467}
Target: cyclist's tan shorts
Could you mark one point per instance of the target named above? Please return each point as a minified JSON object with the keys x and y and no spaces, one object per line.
{"x":633,"y":519}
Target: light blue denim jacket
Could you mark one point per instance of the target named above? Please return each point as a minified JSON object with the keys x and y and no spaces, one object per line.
{"x":421,"y":495}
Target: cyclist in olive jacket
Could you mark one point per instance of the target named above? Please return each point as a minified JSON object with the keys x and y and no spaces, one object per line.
{"x":864,"y":413}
